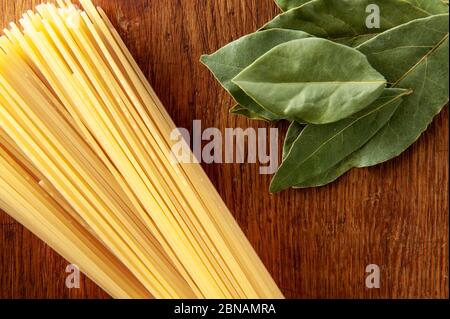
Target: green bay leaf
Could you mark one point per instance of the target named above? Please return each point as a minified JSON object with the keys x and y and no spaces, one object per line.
{"x":414,"y":55}
{"x":240,"y":110}
{"x":291,"y":136}
{"x":317,"y":148}
{"x":432,"y":7}
{"x":230,"y":60}
{"x":286,"y":5}
{"x":302,"y":80}
{"x":345,"y":21}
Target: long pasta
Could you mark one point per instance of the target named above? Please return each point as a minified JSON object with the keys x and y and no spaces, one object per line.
{"x":84,"y":134}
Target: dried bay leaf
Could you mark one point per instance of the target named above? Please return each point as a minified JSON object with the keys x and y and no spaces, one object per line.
{"x":230,"y":60}
{"x":345,"y":21}
{"x":302,"y":80}
{"x":240,"y":110}
{"x":291,"y":136}
{"x":414,"y":55}
{"x":432,"y":7}
{"x":286,"y":5}
{"x":317,"y":148}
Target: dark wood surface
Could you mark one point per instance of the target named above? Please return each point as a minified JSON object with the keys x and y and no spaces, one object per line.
{"x":316,"y":243}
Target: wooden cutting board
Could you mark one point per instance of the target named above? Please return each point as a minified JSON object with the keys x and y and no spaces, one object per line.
{"x":316,"y":243}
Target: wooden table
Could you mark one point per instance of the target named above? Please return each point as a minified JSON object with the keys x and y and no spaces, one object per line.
{"x":316,"y":243}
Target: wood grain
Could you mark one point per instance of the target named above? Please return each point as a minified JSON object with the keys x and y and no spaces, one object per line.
{"x":317,"y":242}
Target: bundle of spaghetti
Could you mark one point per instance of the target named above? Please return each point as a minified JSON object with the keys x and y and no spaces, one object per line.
{"x":22,"y":195}
{"x":97,"y":139}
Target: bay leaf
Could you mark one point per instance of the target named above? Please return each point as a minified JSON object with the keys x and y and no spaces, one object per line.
{"x":432,"y":7}
{"x":414,"y":55}
{"x":291,"y":136}
{"x":230,"y":60}
{"x":302,"y":80}
{"x":286,"y":5}
{"x":240,"y":110}
{"x":318,"y":148}
{"x":345,"y":21}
